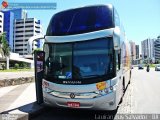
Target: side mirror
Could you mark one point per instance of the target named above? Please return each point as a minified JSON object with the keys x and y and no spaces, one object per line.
{"x":116,"y":38}
{"x":37,"y":38}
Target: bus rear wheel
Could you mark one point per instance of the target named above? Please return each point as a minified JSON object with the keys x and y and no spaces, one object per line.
{"x":123,"y":91}
{"x":130,"y":77}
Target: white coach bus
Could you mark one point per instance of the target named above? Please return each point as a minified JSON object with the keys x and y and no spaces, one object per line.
{"x":87,"y":59}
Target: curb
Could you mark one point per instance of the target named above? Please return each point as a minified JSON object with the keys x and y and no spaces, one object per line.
{"x":26,"y":112}
{"x":16,"y":81}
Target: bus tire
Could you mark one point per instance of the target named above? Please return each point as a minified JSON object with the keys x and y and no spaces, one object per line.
{"x":123,"y":86}
{"x":121,"y":100}
{"x":130,"y":78}
{"x":123,"y":91}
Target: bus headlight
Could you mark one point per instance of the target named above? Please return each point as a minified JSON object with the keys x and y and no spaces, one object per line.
{"x":104,"y":92}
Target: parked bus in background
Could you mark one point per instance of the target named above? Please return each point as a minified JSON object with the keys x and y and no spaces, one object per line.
{"x":87,"y":59}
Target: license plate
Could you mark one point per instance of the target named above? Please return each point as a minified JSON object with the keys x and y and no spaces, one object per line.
{"x":73,"y":104}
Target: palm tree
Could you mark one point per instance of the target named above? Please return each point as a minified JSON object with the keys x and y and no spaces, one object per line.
{"x":4,"y":48}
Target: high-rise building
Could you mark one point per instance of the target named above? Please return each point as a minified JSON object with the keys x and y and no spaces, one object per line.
{"x":1,"y":22}
{"x":19,"y":13}
{"x":157,"y":48}
{"x":148,"y":49}
{"x":8,"y":27}
{"x":133,"y":49}
{"x":9,"y":17}
{"x":137,"y":51}
{"x":23,"y":30}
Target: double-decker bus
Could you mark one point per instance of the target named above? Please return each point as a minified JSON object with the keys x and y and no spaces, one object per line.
{"x":87,"y":59}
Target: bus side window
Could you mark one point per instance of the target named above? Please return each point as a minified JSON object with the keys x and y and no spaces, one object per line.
{"x":118,"y":60}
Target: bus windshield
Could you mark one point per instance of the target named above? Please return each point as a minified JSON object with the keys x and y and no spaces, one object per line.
{"x":81,"y":20}
{"x":79,"y":60}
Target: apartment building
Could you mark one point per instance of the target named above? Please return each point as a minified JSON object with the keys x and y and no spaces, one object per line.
{"x":133,"y":49}
{"x":9,"y":17}
{"x":23,"y":30}
{"x":1,"y":22}
{"x":148,"y":49}
{"x":137,"y":51}
{"x":157,"y":49}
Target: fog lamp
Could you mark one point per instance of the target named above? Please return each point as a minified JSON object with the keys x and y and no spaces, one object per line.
{"x":111,"y":87}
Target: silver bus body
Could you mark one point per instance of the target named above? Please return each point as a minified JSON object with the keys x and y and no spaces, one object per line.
{"x":103,"y":95}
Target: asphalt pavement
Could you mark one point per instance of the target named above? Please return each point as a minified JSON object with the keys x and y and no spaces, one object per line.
{"x":146,"y":91}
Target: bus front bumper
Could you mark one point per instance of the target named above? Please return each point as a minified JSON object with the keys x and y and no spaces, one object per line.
{"x":106,"y":102}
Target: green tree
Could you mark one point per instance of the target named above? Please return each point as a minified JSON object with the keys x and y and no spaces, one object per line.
{"x":4,"y":48}
{"x":37,"y":49}
{"x":24,"y":65}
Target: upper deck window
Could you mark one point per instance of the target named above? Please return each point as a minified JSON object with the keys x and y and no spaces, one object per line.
{"x":81,"y":20}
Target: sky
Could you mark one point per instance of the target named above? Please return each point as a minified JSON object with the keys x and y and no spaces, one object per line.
{"x":141,"y":18}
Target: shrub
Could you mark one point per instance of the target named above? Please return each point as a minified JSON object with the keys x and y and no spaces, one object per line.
{"x":25,"y":65}
{"x":16,"y":66}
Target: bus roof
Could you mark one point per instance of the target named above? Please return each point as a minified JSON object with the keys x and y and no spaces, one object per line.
{"x":81,"y":20}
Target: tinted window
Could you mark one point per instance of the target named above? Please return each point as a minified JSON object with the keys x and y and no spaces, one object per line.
{"x":85,"y":61}
{"x":80,"y":20}
{"x":93,"y":58}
